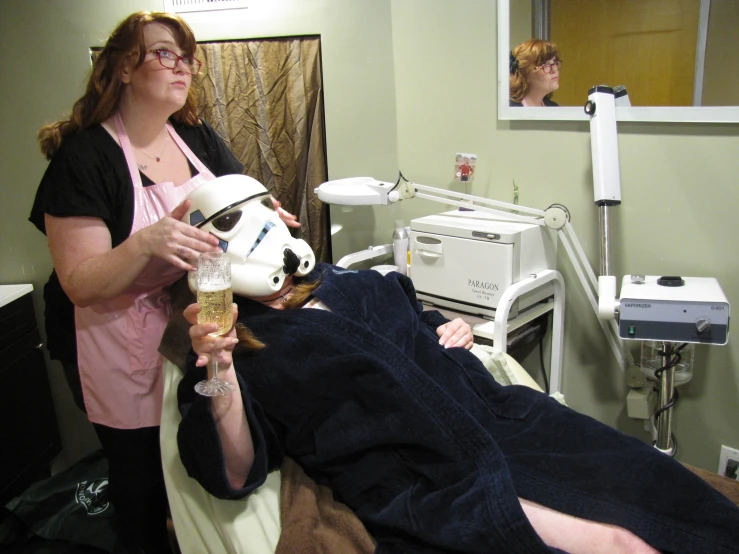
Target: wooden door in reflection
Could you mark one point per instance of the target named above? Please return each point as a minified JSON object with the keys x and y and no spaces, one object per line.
{"x":647,"y":45}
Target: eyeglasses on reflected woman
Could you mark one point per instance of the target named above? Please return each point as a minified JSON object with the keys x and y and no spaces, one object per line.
{"x":550,"y":66}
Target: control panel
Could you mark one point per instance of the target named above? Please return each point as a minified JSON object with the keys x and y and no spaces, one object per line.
{"x":673,"y":309}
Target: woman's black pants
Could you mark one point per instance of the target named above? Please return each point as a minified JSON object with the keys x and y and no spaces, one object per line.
{"x":136,"y":487}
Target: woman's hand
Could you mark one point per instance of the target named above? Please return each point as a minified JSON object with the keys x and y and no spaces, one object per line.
{"x":456,"y":332}
{"x":228,"y":411}
{"x":287,"y":218}
{"x":204,"y":344}
{"x":176,"y":242}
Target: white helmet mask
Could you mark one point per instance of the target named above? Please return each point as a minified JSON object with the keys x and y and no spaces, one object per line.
{"x":238,"y":210}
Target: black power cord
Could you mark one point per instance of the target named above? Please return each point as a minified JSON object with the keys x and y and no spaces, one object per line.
{"x":675,"y":351}
{"x":400,"y":176}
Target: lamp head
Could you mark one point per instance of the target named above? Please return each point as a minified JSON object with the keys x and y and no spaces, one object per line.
{"x":354,"y":191}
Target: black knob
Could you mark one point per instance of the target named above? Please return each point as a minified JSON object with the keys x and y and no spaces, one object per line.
{"x":671,"y":281}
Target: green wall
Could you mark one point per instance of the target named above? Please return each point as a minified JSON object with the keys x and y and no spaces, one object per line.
{"x":408,"y":83}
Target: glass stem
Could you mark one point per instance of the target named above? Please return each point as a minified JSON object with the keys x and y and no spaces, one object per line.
{"x":214,"y":361}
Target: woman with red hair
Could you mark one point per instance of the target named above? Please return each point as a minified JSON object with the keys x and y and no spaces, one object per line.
{"x":110,"y":203}
{"x":534,"y":73}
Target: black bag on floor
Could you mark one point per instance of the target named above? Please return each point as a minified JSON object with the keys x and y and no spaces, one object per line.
{"x":71,"y":506}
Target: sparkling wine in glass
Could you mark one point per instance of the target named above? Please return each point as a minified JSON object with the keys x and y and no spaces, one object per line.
{"x":216,"y":300}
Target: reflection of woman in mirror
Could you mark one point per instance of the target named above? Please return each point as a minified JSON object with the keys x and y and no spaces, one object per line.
{"x":534,"y":68}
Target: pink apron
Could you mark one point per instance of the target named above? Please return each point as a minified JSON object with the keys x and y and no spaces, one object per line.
{"x":117,"y":341}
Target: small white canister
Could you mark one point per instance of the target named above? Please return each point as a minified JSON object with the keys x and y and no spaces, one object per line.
{"x":385,"y":269}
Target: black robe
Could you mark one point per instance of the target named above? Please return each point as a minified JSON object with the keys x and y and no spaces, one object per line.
{"x":421,"y":442}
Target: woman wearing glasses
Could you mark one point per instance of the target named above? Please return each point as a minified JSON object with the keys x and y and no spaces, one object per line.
{"x":534,"y":69}
{"x":110,"y":204}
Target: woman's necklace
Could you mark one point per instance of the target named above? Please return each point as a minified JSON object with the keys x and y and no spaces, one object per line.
{"x":158,"y":158}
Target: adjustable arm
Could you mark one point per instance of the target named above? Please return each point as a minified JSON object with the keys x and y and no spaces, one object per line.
{"x":601,"y":107}
{"x":408,"y":189}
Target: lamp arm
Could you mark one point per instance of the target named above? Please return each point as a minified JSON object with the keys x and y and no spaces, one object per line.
{"x":409,"y":189}
{"x":586,"y":276}
{"x":485,"y":209}
{"x":479,"y":200}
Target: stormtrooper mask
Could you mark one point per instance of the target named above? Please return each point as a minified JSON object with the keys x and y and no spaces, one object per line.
{"x":238,"y":210}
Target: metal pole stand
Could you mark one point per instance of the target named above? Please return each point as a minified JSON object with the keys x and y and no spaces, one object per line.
{"x":663,"y":414}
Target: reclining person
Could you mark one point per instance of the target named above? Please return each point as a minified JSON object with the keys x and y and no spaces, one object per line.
{"x":382,"y":402}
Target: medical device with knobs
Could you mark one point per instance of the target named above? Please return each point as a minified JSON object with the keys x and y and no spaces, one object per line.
{"x":650,"y":308}
{"x":672,"y":309}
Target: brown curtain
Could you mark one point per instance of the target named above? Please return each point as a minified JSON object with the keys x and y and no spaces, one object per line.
{"x":265,"y":98}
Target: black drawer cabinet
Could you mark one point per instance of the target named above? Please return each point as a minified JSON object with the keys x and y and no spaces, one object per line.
{"x":29,"y":435}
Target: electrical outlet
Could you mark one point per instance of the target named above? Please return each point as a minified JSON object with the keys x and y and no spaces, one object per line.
{"x":728,"y":462}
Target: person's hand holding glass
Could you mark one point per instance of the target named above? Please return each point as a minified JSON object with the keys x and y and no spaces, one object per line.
{"x":216,"y":306}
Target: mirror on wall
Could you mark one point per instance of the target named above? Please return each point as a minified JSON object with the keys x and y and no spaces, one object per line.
{"x":675,"y":57}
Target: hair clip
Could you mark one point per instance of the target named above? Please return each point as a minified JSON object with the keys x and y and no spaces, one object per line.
{"x":512,"y":64}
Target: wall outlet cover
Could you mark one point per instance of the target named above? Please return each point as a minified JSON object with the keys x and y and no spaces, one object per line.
{"x":728,"y":463}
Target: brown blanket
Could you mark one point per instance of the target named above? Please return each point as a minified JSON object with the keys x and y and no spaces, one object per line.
{"x":728,"y":487}
{"x":313,"y":522}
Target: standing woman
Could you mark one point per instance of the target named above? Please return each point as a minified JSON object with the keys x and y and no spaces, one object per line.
{"x":110,"y":203}
{"x":534,"y":69}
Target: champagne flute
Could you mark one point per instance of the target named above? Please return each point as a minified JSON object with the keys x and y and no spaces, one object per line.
{"x":216,"y":306}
